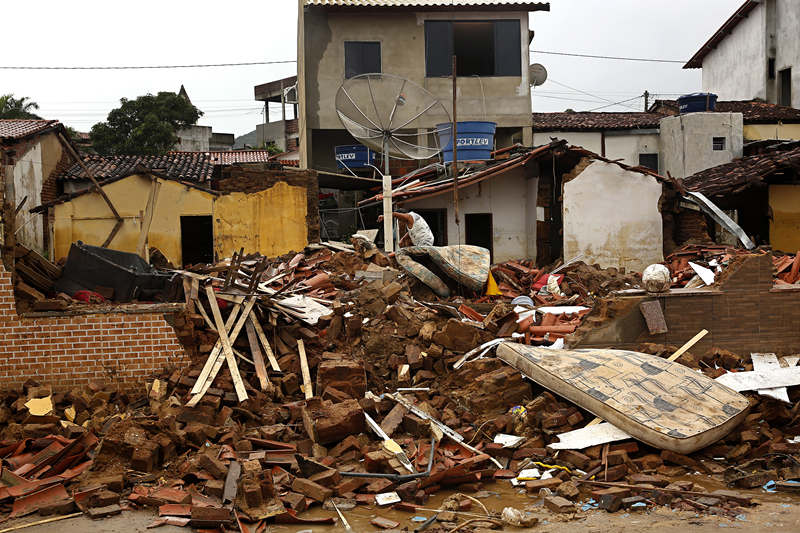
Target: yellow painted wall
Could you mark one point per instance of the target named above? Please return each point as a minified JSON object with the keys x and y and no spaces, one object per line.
{"x":87,"y":218}
{"x":757,"y":132}
{"x":272,"y":221}
{"x":784,"y":228}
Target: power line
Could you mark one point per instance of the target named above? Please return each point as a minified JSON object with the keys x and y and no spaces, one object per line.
{"x":617,"y":58}
{"x":588,"y":94}
{"x":616,"y":103}
{"x":206,"y":65}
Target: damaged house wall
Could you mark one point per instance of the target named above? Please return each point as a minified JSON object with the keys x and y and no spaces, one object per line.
{"x":595,"y":226}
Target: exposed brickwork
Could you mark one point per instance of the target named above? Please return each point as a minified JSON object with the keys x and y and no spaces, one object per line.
{"x":65,"y":352}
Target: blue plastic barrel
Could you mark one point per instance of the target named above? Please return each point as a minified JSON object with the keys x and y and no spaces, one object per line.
{"x":475,"y":140}
{"x":697,"y":102}
{"x":354,"y":156}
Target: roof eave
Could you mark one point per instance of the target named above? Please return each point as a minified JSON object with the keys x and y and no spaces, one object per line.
{"x":697,"y":59}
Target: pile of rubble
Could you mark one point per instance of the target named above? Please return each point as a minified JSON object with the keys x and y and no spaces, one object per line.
{"x":320,"y":379}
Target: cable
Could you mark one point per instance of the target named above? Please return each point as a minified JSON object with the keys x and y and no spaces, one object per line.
{"x":207,"y":65}
{"x":537,"y":95}
{"x":588,"y":94}
{"x":617,"y":58}
{"x":615,"y":103}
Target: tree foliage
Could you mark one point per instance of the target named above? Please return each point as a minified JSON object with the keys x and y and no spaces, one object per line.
{"x":23,"y":107}
{"x":144,"y":126}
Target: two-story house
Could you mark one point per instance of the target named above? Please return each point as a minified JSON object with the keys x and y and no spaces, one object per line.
{"x":416,"y":39}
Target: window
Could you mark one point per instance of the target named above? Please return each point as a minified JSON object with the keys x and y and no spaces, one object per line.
{"x":649,"y":161}
{"x":771,"y":68}
{"x":483,"y":48}
{"x":718,"y":144}
{"x":361,"y":57}
{"x":786,"y":87}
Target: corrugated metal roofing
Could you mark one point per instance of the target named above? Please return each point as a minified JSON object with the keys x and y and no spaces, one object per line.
{"x":423,"y":3}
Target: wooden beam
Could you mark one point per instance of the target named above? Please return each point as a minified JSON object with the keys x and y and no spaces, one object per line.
{"x":238,"y":385}
{"x":273,"y":362}
{"x":144,"y":231}
{"x":307,"y":387}
{"x":258,"y":359}
{"x":212,"y":357}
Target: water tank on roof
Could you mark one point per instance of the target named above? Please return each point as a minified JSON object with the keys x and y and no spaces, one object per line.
{"x":475,"y":140}
{"x":696,"y":102}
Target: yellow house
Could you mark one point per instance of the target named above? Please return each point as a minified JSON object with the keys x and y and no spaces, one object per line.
{"x":190,"y":222}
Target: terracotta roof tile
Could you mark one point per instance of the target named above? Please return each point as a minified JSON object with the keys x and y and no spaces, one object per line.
{"x":184,"y":166}
{"x":14,"y":129}
{"x":740,"y":174}
{"x":589,"y":121}
{"x":753,"y":111}
{"x":424,"y":3}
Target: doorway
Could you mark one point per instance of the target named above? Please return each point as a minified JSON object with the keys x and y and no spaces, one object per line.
{"x":197,"y":239}
{"x":478,"y":231}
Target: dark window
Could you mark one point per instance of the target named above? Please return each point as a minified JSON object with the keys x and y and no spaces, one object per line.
{"x":361,"y":57}
{"x":786,"y":87}
{"x":483,"y":48}
{"x":718,"y":143}
{"x":771,"y":68}
{"x":197,"y":240}
{"x":437,"y":221}
{"x":478,"y":231}
{"x":649,"y":161}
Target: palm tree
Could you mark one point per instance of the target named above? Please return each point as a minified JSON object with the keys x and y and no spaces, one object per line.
{"x":23,"y":107}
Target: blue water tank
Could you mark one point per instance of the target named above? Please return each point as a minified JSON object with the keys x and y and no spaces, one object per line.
{"x":697,"y":102}
{"x":475,"y":140}
{"x":354,"y":156}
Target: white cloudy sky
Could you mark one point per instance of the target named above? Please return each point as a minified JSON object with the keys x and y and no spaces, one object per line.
{"x":169,"y":32}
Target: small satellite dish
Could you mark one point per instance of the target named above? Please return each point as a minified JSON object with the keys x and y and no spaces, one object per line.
{"x":537,"y":74}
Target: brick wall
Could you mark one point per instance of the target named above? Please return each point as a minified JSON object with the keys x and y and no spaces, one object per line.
{"x":69,"y":351}
{"x":746,"y":314}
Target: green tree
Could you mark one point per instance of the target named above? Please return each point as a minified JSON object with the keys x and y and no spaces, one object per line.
{"x":144,"y":126}
{"x":11,"y":107}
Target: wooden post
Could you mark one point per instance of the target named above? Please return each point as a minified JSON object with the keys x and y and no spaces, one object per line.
{"x":454,"y":166}
{"x":147,"y":220}
{"x":307,"y":387}
{"x":241,"y":393}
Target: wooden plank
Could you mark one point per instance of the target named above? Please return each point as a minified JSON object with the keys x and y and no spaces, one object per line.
{"x":273,"y":362}
{"x":238,"y":385}
{"x":212,"y":357}
{"x":147,"y":220}
{"x":231,"y":482}
{"x":769,"y":361}
{"x":33,"y":277}
{"x":187,"y":294}
{"x":661,"y":403}
{"x":217,"y":366}
{"x":585,"y":437}
{"x":761,"y":379}
{"x":258,"y":359}
{"x":307,"y":387}
{"x":654,"y":317}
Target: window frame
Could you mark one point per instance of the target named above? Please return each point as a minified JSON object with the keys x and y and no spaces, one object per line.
{"x":354,"y":42}
{"x":718,"y":141}
{"x":515,"y":69}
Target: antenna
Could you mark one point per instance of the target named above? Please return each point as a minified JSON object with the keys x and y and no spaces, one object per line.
{"x":537,"y":74}
{"x":394,"y":116}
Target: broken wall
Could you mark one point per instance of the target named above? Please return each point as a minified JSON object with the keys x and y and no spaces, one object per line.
{"x":784,"y":224}
{"x":612,"y":217}
{"x":744,"y":313}
{"x":66,"y":351}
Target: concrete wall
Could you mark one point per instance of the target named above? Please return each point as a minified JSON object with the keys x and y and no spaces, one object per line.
{"x":787,"y":43}
{"x":30,"y":172}
{"x":194,"y":139}
{"x":736,"y":68}
{"x":784,"y":226}
{"x":511,"y":199}
{"x":625,"y":145}
{"x":506,"y":100}
{"x":757,"y":132}
{"x":686,"y":142}
{"x":596,"y":227}
{"x":272,"y":132}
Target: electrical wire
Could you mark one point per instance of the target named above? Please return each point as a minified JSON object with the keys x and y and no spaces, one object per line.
{"x":589,"y":94}
{"x":206,"y":65}
{"x":616,"y":103}
{"x":616,"y":58}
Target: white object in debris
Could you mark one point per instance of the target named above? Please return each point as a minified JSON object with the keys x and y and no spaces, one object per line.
{"x":557,"y":345}
{"x":656,"y":278}
{"x":562,"y":310}
{"x":508,"y":441}
{"x":761,"y":379}
{"x":387,"y":498}
{"x":529,"y":474}
{"x":706,"y":274}
{"x":795,"y":440}
{"x":552,"y":286}
{"x":589,"y":436}
{"x":769,"y":361}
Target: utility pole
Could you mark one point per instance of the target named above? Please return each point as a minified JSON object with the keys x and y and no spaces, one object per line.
{"x":646,"y":101}
{"x":454,"y":166}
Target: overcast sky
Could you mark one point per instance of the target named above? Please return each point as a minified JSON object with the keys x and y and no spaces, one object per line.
{"x":169,"y":32}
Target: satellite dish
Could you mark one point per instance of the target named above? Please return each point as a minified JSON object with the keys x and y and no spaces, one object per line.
{"x":537,"y":74}
{"x":391,"y":115}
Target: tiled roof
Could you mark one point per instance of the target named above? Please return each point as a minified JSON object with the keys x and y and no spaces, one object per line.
{"x":428,"y":3}
{"x":588,"y":121}
{"x":697,"y":59}
{"x":184,"y":166}
{"x":740,"y":174}
{"x":229,"y":157}
{"x":753,"y":111}
{"x":13,"y":128}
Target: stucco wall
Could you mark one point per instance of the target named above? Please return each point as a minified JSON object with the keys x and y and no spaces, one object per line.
{"x":736,"y":68}
{"x":756,"y":132}
{"x":686,"y":142}
{"x":787,"y":26}
{"x":194,"y":139}
{"x":591,"y":140}
{"x":625,"y":145}
{"x":596,"y":226}
{"x":31,"y":169}
{"x":511,"y":199}
{"x":272,"y":132}
{"x":784,"y":227}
